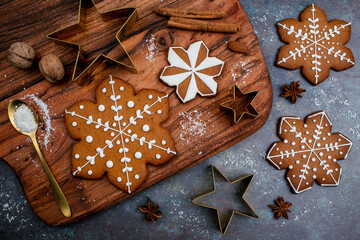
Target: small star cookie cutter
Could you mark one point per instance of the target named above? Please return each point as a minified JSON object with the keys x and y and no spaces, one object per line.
{"x":82,"y":72}
{"x":241,"y":102}
{"x":249,"y":179}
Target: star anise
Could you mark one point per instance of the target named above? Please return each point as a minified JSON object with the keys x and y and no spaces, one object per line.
{"x":292,"y":91}
{"x":281,"y":208}
{"x":152,"y":211}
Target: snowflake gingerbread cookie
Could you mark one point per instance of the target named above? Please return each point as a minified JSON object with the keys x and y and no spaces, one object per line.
{"x":310,"y":151}
{"x":192,"y":71}
{"x":315,"y":44}
{"x":120,"y":134}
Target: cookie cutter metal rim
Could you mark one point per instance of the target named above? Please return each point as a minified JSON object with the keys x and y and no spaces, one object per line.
{"x":249,"y":104}
{"x":233,"y":211}
{"x":129,"y":12}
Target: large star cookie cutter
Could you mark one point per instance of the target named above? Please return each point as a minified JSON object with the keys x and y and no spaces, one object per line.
{"x":245,"y":181}
{"x":83,"y":71}
{"x":241,"y":104}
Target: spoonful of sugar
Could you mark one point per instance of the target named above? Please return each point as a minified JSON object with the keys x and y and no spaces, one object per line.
{"x":25,"y":121}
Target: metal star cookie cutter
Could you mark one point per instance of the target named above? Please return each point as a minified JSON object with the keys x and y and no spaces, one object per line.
{"x":82,"y":72}
{"x":241,"y":102}
{"x":224,"y":229}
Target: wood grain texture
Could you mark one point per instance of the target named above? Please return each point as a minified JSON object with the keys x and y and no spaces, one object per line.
{"x":35,"y":19}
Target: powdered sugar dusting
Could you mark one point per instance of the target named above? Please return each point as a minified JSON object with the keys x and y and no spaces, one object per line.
{"x":151,"y":47}
{"x":194,"y":124}
{"x":239,"y":72}
{"x":44,"y":110}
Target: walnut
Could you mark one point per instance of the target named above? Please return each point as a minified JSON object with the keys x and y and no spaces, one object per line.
{"x":21,"y":55}
{"x":52,"y":68}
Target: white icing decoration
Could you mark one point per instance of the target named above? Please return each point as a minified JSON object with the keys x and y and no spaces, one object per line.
{"x":81,"y":107}
{"x":158,"y":111}
{"x":315,"y":42}
{"x":146,"y":128}
{"x":137,"y":176}
{"x":101,"y":108}
{"x":130,"y":104}
{"x":109,"y":164}
{"x":138,"y":155}
{"x":74,"y":124}
{"x":90,"y":172}
{"x":120,"y":134}
{"x":315,"y":154}
{"x":163,"y":142}
{"x":150,"y":96}
{"x":89,"y":139}
{"x":121,"y":88}
{"x":191,"y":71}
{"x":104,"y":90}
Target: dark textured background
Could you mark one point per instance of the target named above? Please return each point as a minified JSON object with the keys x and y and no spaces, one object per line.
{"x":320,"y":213}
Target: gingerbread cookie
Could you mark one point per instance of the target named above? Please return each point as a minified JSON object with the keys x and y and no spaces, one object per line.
{"x":192,"y":71}
{"x":315,"y":44}
{"x":310,"y":151}
{"x":119,"y":134}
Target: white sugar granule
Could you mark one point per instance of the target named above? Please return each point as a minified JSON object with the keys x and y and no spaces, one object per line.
{"x":24,"y":119}
{"x":44,"y":111}
{"x":194,"y":125}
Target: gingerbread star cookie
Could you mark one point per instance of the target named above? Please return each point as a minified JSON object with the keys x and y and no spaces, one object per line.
{"x":315,"y":44}
{"x":192,"y":71}
{"x":310,"y":151}
{"x":119,"y":134}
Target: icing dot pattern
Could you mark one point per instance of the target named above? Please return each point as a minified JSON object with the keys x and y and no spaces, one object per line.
{"x":125,"y":135}
{"x":313,"y":154}
{"x":317,"y":42}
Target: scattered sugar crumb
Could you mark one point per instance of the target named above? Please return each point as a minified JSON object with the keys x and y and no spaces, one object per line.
{"x":239,"y":72}
{"x":151,"y":46}
{"x":193,"y":125}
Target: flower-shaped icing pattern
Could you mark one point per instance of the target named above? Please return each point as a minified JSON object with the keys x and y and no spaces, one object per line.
{"x":192,"y":71}
{"x":120,"y":134}
{"x":315,"y":44}
{"x":310,"y":151}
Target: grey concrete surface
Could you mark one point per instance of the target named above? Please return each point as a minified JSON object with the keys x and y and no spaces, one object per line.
{"x":320,"y":213}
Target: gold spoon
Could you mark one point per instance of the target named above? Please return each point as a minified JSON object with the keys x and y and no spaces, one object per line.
{"x":59,"y":195}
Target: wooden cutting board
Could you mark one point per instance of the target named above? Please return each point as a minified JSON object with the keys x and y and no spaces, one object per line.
{"x":200,"y":127}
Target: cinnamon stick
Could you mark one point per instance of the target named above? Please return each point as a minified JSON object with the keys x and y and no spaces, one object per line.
{"x":201,"y":25}
{"x":190,"y":13}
